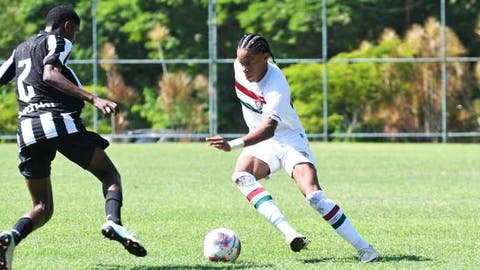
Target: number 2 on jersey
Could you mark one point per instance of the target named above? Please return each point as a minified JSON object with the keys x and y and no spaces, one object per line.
{"x":25,"y":94}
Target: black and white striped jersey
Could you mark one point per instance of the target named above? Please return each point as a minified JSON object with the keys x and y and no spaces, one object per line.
{"x":43,"y":112}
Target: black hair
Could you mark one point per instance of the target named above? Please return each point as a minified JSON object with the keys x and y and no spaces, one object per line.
{"x":60,"y":14}
{"x":255,"y":43}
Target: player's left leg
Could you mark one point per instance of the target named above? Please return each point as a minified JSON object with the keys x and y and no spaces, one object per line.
{"x":7,"y":245}
{"x":87,"y":150}
{"x":102,"y":167}
{"x":306,"y":178}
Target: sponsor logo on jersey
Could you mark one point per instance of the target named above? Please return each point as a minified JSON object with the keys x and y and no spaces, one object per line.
{"x":35,"y":106}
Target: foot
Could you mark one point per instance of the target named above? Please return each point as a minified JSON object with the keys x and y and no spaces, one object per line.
{"x":366,"y":255}
{"x":116,"y":232}
{"x":297,"y":242}
{"x":7,"y":245}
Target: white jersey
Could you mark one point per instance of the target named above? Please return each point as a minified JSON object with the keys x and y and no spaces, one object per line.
{"x":267,"y":98}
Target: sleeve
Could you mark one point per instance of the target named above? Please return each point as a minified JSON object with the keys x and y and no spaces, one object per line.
{"x":58,"y":51}
{"x":7,"y":70}
{"x":277,"y":99}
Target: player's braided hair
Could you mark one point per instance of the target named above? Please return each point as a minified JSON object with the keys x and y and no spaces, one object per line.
{"x":255,"y":43}
{"x":60,"y":14}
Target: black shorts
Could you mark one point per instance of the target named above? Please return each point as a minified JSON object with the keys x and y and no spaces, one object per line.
{"x":36,"y":159}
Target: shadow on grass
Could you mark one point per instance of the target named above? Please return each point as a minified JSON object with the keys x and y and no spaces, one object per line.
{"x":395,"y":258}
{"x":219,"y":266}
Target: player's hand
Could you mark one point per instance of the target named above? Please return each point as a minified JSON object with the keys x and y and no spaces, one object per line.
{"x":106,"y":106}
{"x":218,"y":142}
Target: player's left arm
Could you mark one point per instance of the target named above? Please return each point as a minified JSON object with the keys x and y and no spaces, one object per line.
{"x":7,"y":70}
{"x":265,"y":131}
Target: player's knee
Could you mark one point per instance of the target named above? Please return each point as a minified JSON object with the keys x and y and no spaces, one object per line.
{"x":111,"y":186}
{"x":243,"y":179}
{"x":116,"y":178}
{"x":110,"y":178}
{"x":305,"y":170}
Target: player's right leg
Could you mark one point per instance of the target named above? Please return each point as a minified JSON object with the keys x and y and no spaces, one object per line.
{"x":41,"y":193}
{"x":35,"y":166}
{"x":262,"y":201}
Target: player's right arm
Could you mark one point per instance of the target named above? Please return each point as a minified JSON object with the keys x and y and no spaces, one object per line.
{"x":54,"y":62}
{"x":7,"y":70}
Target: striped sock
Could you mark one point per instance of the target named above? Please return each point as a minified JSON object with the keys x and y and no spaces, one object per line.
{"x":334,"y":216}
{"x":263,"y":202}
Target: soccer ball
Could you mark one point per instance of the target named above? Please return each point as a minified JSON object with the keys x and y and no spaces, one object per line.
{"x":221,"y":245}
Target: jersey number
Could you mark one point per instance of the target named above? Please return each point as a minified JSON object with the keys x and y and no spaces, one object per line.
{"x":25,"y":94}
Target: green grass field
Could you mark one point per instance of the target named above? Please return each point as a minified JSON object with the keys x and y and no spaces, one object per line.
{"x":418,"y":204}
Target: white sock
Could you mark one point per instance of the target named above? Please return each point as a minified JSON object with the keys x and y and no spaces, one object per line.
{"x":261,"y":200}
{"x":334,"y":216}
{"x":270,"y":212}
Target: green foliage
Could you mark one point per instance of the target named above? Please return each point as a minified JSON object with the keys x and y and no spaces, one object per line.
{"x":104,"y":124}
{"x":9,"y":17}
{"x":150,"y":109}
{"x":8,"y":109}
{"x":353,"y":87}
{"x":180,"y":103}
{"x":387,"y":97}
{"x":294,"y":28}
{"x":306,"y":92}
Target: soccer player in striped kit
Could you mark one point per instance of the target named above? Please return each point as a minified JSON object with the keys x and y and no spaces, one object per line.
{"x":276,"y":139}
{"x":50,"y":99}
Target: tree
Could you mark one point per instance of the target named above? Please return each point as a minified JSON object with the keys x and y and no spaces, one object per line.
{"x":393,"y":97}
{"x":118,"y":90}
{"x":8,"y":107}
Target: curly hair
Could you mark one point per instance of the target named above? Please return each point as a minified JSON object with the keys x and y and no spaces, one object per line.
{"x":60,"y":14}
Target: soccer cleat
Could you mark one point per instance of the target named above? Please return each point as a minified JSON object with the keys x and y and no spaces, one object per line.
{"x":116,"y":232}
{"x":7,"y":245}
{"x":298,"y":243}
{"x":366,"y":255}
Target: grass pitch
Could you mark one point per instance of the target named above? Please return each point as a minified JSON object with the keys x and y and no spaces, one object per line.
{"x":418,"y":204}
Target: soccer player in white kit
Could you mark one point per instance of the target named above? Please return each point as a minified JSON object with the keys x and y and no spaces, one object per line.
{"x":276,"y":139}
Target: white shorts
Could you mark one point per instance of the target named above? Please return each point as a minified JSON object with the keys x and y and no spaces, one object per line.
{"x":285,"y":152}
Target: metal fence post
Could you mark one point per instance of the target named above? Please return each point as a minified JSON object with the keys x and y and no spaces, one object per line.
{"x":95,"y":60}
{"x":212,"y":64}
{"x":325,"y":70}
{"x":444,"y":73}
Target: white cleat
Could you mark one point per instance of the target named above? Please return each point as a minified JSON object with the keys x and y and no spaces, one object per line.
{"x":116,"y":232}
{"x":297,"y":242}
{"x":366,"y":255}
{"x":7,"y":245}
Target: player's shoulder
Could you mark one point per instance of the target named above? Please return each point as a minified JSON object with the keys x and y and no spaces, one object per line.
{"x":275,"y":74}
{"x":274,"y":68}
{"x":33,"y":41}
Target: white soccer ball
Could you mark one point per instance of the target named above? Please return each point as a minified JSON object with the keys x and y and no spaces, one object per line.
{"x":221,"y":245}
